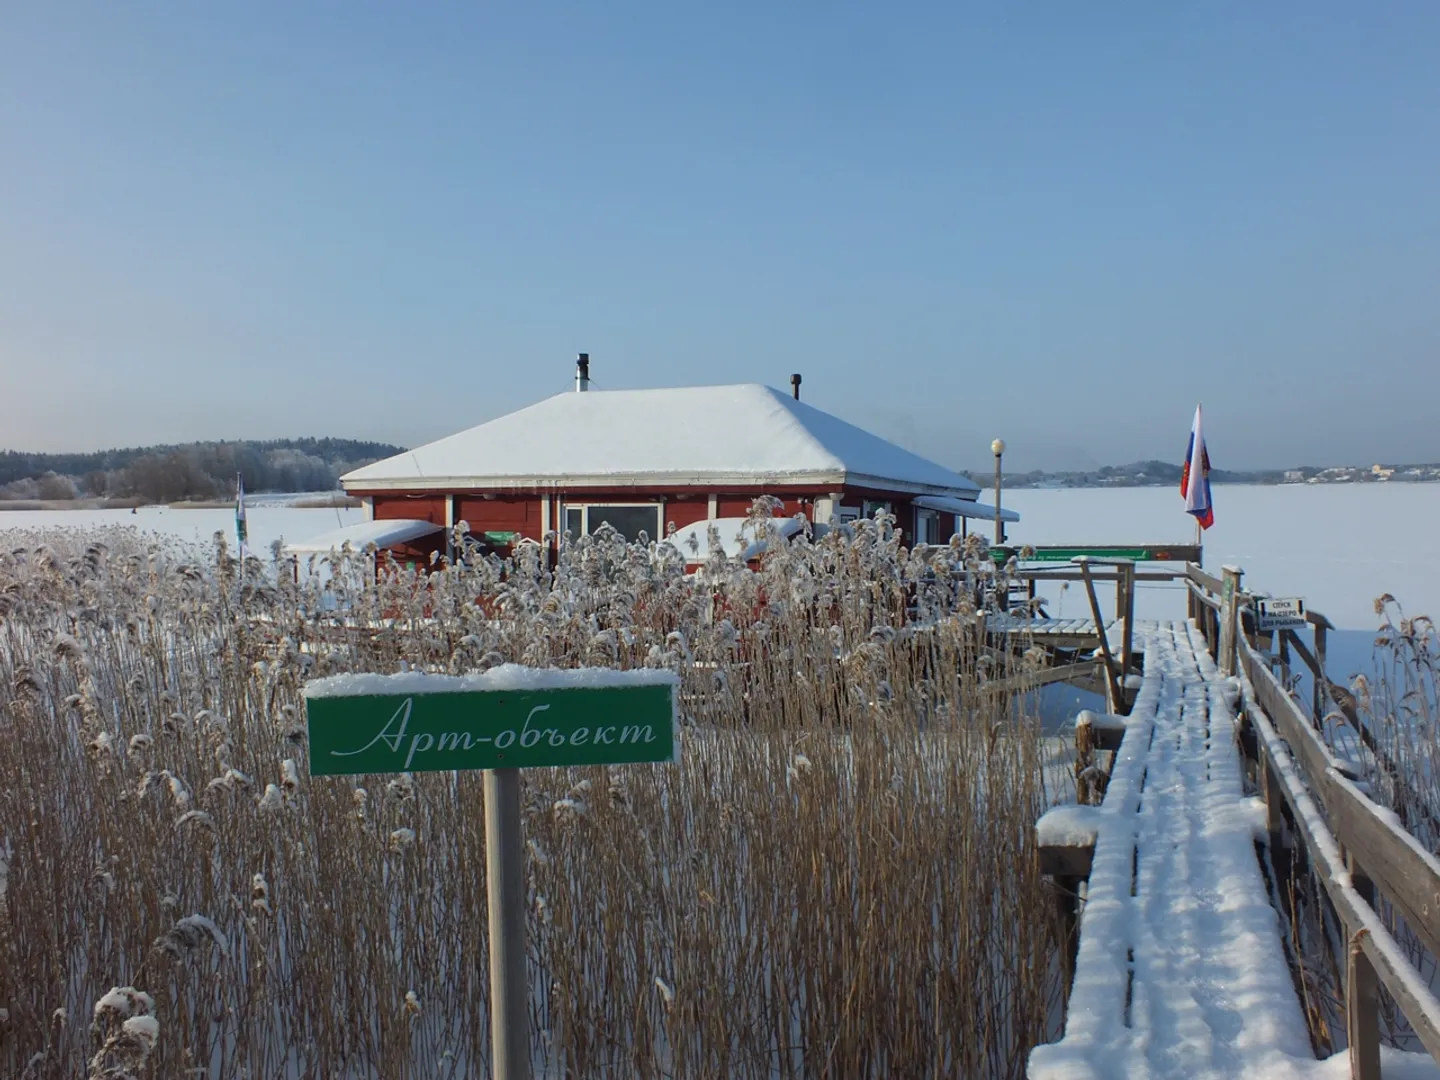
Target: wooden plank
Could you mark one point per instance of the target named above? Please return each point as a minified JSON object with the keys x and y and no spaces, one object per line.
{"x":1015,"y":684}
{"x":1116,"y":692}
{"x":1202,"y":596}
{"x":1400,"y":868}
{"x":1305,"y":654}
{"x":1391,"y":966}
{"x":1208,"y":582}
{"x":1067,"y":861}
{"x":1313,"y":755}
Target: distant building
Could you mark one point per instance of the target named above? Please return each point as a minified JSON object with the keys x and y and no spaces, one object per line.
{"x":1380,"y":472}
{"x":1294,"y":476}
{"x":654,"y":460}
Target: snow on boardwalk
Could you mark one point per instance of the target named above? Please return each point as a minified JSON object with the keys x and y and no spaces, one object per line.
{"x":1180,"y":971}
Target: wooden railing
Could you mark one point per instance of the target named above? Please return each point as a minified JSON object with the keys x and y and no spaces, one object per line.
{"x":1362,"y":854}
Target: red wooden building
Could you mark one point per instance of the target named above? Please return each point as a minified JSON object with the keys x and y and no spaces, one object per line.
{"x":644,"y":460}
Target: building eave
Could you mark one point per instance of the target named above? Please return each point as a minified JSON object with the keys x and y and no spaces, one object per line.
{"x":820,"y":481}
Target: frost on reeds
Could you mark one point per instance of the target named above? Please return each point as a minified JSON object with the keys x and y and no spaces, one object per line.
{"x":836,"y":879}
{"x":1399,"y":705}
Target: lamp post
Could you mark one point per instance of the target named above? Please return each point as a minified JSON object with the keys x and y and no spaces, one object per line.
{"x":997,"y":448}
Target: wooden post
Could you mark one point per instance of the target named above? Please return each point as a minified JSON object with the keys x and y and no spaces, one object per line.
{"x":1362,"y":1011}
{"x":1111,"y":684}
{"x":1229,"y":619}
{"x":1127,"y":640}
{"x":1084,"y":759}
{"x":1270,"y":791}
{"x":505,"y":877}
{"x":1067,"y":903}
{"x":1321,"y":695}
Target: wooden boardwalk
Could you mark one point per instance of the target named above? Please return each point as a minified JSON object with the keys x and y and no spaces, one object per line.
{"x":1220,"y":781}
{"x":1180,"y":970}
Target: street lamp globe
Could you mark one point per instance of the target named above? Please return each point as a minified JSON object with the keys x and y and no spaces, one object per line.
{"x":998,"y":447}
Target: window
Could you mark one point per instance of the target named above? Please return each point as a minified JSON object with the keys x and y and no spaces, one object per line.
{"x":849,"y":513}
{"x":873,"y":506}
{"x":628,"y":520}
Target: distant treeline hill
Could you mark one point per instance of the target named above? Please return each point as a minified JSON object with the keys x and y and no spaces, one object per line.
{"x":195,"y":471}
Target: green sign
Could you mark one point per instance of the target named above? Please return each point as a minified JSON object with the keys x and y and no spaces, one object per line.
{"x":490,"y":729}
{"x":1178,"y":553}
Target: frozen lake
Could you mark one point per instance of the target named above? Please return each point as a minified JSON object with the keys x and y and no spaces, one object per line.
{"x":266,"y":524}
{"x":1338,"y":546}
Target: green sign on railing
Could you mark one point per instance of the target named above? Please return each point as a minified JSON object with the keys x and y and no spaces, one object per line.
{"x":1142,"y":553}
{"x":509,"y":718}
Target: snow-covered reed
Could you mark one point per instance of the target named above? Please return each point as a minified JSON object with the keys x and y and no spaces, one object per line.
{"x":836,"y":879}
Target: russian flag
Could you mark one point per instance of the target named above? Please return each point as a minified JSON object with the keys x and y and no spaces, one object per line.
{"x":1195,"y":478}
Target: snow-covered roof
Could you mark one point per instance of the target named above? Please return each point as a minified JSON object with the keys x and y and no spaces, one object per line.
{"x":380,"y":533}
{"x":737,"y":537}
{"x":702,"y":435}
{"x":966,"y":508}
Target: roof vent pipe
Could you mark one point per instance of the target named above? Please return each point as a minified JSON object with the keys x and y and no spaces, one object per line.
{"x":795,"y":385}
{"x":582,"y":373}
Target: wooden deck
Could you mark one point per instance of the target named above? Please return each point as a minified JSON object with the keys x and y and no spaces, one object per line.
{"x":1218,"y":777}
{"x":1058,"y":633}
{"x":1179,"y":970}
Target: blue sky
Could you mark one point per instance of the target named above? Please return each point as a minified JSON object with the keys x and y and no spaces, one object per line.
{"x":1060,"y":223}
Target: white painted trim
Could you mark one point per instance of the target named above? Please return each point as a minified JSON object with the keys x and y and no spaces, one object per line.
{"x":544,"y":516}
{"x":714,"y":510}
{"x":369,"y":508}
{"x":665,"y":481}
{"x":933,"y":516}
{"x":450,"y":527}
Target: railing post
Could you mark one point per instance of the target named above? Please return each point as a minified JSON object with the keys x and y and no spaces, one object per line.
{"x":1362,"y":1011}
{"x":1229,"y":619}
{"x":1127,"y":640}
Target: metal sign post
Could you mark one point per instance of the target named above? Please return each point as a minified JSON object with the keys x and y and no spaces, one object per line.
{"x":500,"y":722}
{"x":505,"y":883}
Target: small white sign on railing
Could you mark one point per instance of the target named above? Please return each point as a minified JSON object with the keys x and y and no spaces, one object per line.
{"x":1279,"y":613}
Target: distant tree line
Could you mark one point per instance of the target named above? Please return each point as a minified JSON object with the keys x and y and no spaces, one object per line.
{"x":1137,"y":474}
{"x":204,"y":470}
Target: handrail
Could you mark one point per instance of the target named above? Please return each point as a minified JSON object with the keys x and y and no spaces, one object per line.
{"x":1203,"y":596}
{"x":1358,"y":845}
{"x":1367,"y":938}
{"x":1208,"y":582}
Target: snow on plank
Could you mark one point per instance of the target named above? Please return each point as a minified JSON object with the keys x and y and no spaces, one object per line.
{"x":1179,"y":971}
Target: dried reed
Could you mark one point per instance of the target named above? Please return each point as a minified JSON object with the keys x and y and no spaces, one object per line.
{"x":836,"y":880}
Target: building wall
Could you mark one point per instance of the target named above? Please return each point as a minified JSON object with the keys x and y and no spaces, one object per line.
{"x":731,"y":504}
{"x":504,"y":513}
{"x":523,"y":513}
{"x":427,"y":507}
{"x":682,"y":512}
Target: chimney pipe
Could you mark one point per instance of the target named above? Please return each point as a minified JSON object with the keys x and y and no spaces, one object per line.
{"x":582,"y":372}
{"x":795,"y":385}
